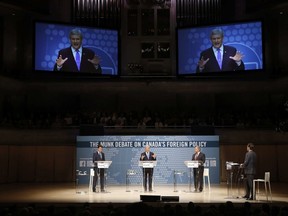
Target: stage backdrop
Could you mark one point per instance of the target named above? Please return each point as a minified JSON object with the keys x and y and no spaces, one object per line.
{"x":124,"y":152}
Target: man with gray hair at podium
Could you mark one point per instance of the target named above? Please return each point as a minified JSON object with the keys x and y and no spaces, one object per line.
{"x":147,"y":155}
{"x":198,"y":172}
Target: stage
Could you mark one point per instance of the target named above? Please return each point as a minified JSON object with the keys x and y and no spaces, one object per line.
{"x":62,"y":193}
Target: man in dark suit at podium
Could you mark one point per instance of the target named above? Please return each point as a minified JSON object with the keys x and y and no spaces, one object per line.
{"x":77,"y":58}
{"x":249,"y":166}
{"x":198,"y":172}
{"x":98,"y":156}
{"x":147,"y":155}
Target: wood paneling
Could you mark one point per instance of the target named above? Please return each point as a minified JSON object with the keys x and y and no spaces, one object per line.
{"x":4,"y":163}
{"x":26,"y":164}
{"x":65,"y":157}
{"x":45,"y":165}
{"x":12,"y":153}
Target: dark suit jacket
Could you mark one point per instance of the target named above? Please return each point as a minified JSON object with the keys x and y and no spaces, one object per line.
{"x":96,"y":157}
{"x":149,"y":156}
{"x":227,"y":63}
{"x":70,"y":64}
{"x":201,"y":158}
{"x":250,"y":163}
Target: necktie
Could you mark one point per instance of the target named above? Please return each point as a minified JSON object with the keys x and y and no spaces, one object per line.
{"x":77,"y":58}
{"x":147,"y":154}
{"x":219,"y":60}
{"x":100,"y":155}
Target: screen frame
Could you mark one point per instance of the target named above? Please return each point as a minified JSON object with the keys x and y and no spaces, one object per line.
{"x":66,"y":74}
{"x":226,"y":74}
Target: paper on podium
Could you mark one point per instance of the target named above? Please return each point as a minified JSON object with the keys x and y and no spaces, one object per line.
{"x":192,"y":164}
{"x":147,"y":164}
{"x":103,"y":164}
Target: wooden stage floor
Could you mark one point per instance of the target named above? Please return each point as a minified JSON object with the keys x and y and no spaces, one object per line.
{"x":67,"y":193}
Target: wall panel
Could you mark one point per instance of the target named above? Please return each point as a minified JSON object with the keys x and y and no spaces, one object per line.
{"x":26,"y":164}
{"x":13,"y":163}
{"x":64,"y":163}
{"x":4,"y":161}
{"x":281,"y":165}
{"x":44,"y":165}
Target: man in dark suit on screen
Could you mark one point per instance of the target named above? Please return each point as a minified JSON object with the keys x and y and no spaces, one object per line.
{"x":220,"y":57}
{"x":98,"y":156}
{"x":249,"y":166}
{"x":198,"y":172}
{"x":77,"y":58}
{"x":147,"y":155}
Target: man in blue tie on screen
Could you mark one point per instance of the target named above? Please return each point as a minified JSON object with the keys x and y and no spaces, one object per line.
{"x":147,"y":172}
{"x":98,"y":156}
{"x":77,"y":58}
{"x":220,"y":57}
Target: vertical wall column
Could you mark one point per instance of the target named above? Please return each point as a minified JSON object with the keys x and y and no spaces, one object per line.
{"x":101,"y":13}
{"x":196,"y":12}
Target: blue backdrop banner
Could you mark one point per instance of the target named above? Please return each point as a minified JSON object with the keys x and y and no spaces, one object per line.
{"x":125,"y":151}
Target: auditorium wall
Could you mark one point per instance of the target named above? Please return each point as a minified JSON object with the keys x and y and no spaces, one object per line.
{"x":49,"y":155}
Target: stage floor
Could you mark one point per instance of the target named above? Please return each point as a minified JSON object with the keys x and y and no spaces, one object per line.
{"x":68,"y":193}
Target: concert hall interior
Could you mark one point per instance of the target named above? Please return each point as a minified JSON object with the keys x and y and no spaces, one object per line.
{"x":144,"y":83}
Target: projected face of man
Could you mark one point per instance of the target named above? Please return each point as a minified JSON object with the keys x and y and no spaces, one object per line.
{"x":76,"y":41}
{"x":216,"y":40}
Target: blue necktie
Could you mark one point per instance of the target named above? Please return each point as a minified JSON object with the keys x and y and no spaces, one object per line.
{"x":77,"y":58}
{"x":219,"y":60}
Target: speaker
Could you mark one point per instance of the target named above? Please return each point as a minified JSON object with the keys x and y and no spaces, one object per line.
{"x":150,"y":198}
{"x":90,"y":130}
{"x":170,"y":198}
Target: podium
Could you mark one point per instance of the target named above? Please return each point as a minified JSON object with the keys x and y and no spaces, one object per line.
{"x":191,"y":165}
{"x":147,"y":164}
{"x":102,"y":165}
{"x":177,"y":173}
{"x":234,"y":176}
{"x":129,"y":173}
